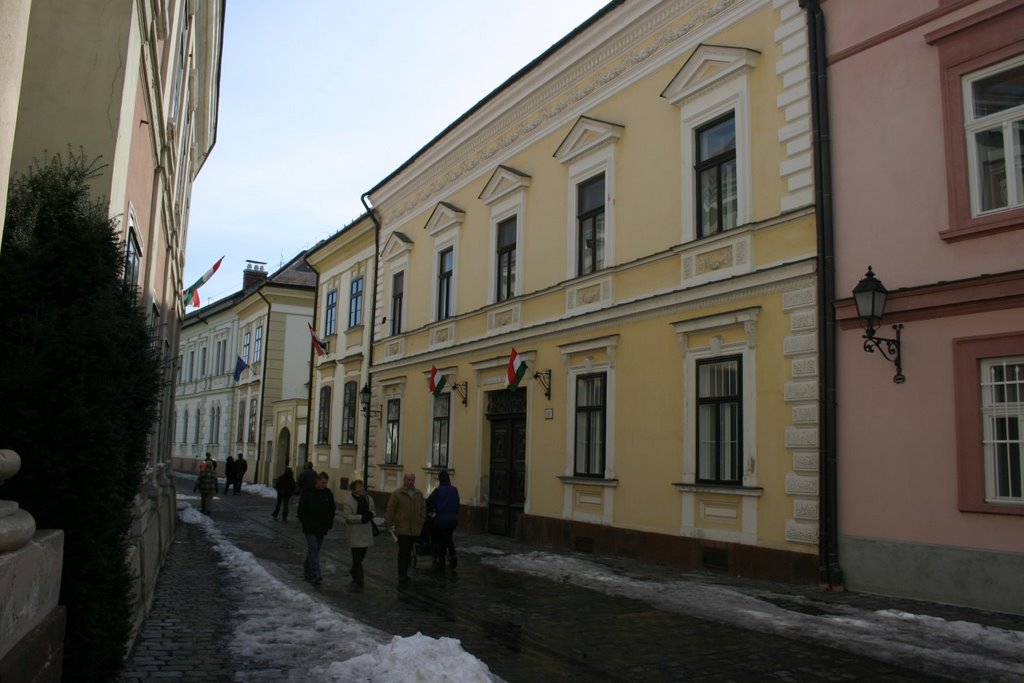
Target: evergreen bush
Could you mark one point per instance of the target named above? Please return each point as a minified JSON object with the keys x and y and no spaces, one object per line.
{"x":79,"y":385}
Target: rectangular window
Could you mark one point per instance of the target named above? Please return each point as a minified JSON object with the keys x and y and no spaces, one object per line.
{"x":715,"y":172}
{"x":202,"y":362}
{"x":719,"y":421}
{"x":191,"y":365}
{"x":445,"y":264}
{"x":590,"y":225}
{"x":257,"y":344}
{"x":331,"y":313}
{"x":994,"y":115}
{"x":132,"y":255}
{"x":355,"y":303}
{"x":240,"y":431}
{"x":505,"y":287}
{"x":221,"y":357}
{"x":348,"y":414}
{"x":195,"y":436}
{"x":323,"y":428}
{"x":439,"y":437}
{"x":1002,"y":406}
{"x":590,"y":425}
{"x":214,"y":424}
{"x":184,"y":427}
{"x":245,"y":347}
{"x":397,"y":293}
{"x":252,"y":420}
{"x":394,"y":412}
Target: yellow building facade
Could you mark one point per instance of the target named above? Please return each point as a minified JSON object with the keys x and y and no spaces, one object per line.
{"x":632,"y":214}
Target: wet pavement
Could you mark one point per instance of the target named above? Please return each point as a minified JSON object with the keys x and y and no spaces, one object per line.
{"x":524,"y":627}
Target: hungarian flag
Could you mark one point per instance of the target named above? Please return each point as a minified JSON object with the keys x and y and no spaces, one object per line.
{"x":191,"y":295}
{"x":436,"y":381}
{"x":240,"y":367}
{"x":317,"y":344}
{"x":516,"y":371}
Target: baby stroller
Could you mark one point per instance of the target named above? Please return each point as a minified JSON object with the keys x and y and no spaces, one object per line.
{"x":424,"y":545}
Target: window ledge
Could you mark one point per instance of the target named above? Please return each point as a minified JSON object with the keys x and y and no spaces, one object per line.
{"x":756,"y":491}
{"x":394,"y":466}
{"x":589,"y":481}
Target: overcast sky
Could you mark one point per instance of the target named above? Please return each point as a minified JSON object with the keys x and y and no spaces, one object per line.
{"x":321,"y":99}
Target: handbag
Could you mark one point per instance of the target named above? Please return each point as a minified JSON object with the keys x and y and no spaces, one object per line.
{"x":373,"y":525}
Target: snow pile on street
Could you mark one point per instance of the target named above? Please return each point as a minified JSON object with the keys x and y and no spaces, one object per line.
{"x":286,"y":635}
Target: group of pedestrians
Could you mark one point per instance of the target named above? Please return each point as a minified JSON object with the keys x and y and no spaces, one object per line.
{"x":207,"y":483}
{"x":406,"y":517}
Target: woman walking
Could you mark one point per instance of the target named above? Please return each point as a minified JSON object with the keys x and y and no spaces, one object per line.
{"x":359,"y":511}
{"x":285,"y":486}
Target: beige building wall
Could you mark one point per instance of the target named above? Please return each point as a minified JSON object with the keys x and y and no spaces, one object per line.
{"x":623,"y":97}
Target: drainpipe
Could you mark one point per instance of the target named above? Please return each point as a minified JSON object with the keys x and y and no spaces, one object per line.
{"x":830,"y":575}
{"x":373,"y":327}
{"x":263,"y":389}
{"x":312,"y":366}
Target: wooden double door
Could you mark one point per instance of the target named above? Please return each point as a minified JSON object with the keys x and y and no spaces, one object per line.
{"x":506,"y":412}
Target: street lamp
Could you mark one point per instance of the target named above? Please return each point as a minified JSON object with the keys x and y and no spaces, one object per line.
{"x":870,"y":296}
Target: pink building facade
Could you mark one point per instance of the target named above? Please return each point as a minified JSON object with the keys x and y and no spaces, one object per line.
{"x":927,"y":132}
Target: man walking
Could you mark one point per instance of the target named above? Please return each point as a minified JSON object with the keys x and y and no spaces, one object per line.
{"x":307,"y":478}
{"x":206,"y":484}
{"x":240,"y":467}
{"x":405,"y":514}
{"x":316,"y":512}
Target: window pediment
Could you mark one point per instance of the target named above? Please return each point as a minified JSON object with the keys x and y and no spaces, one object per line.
{"x":504,"y":181}
{"x":397,"y":244}
{"x":708,"y":67}
{"x":587,"y":135}
{"x":443,"y":217}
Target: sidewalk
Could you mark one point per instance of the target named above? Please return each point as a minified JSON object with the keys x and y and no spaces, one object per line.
{"x":527,"y":625}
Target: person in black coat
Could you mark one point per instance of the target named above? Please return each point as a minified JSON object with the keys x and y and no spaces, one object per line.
{"x":443,"y":502}
{"x":316,"y":512}
{"x":230,"y":471}
{"x":240,"y":467}
{"x":285,"y":486}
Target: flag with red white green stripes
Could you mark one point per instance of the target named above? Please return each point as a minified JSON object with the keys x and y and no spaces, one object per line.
{"x":436,"y":381}
{"x":515,"y":372}
{"x":191,"y":295}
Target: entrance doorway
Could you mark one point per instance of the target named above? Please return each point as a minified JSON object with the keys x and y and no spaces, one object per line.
{"x":284,"y":440}
{"x":506,"y":411}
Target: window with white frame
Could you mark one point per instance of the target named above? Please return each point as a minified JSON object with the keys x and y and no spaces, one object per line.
{"x":391,"y":430}
{"x":715,"y":173}
{"x":252,"y":420}
{"x":214,"y":425}
{"x":590,"y":219}
{"x":240,"y":425}
{"x":184,"y":426}
{"x":220,"y":356}
{"x":591,"y":425}
{"x":245,"y":347}
{"x":719,"y":421}
{"x":191,"y":365}
{"x":1002,"y":406}
{"x":445,"y":269}
{"x":440,"y":430}
{"x":202,"y":362}
{"x":195,"y":437}
{"x":348,"y":413}
{"x":355,"y":302}
{"x":132,"y":253}
{"x":712,"y":91}
{"x":331,"y":313}
{"x":323,"y":428}
{"x":257,"y":344}
{"x":589,"y":153}
{"x":505,"y":259}
{"x":994,"y":118}
{"x":397,"y":300}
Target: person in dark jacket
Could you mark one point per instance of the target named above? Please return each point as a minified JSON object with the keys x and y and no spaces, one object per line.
{"x":207,"y":485}
{"x":443,"y":502}
{"x":229,"y":473}
{"x":240,"y":467}
{"x":285,"y":486}
{"x":316,"y":512}
{"x":307,"y":478}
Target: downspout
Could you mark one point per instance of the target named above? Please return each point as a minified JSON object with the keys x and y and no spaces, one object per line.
{"x":830,"y":575}
{"x":263,"y":388}
{"x":373,"y":327}
{"x":312,"y":367}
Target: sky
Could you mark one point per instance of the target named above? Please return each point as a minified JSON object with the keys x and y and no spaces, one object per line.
{"x":320,"y":100}
{"x":360,"y":652}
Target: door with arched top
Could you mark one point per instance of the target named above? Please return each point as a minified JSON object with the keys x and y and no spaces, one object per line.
{"x":506,"y":412}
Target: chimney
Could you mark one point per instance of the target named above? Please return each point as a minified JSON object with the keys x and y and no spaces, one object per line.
{"x":254,"y":275}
